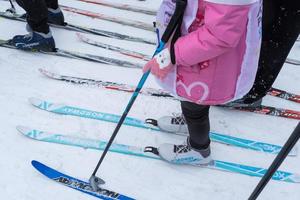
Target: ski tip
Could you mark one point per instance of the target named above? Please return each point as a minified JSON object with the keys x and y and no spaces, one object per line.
{"x":28,"y":132}
{"x":35,"y":163}
{"x":44,"y":169}
{"x":23,"y":129}
{"x":48,"y":73}
{"x":35,"y":101}
{"x":295,"y":178}
{"x":38,"y":166}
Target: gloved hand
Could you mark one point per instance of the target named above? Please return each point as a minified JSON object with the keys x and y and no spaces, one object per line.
{"x":160,"y":65}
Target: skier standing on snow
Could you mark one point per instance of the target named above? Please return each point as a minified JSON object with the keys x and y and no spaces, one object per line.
{"x":38,"y":14}
{"x":281,"y":27}
{"x":213,"y":62}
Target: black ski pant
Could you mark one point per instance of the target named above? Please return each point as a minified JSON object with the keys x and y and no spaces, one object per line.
{"x":197,"y":120}
{"x":281,"y":27}
{"x":37,"y":13}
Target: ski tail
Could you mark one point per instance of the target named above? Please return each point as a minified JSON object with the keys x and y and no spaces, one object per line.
{"x":284,"y":95}
{"x":269,"y":110}
{"x":292,"y":61}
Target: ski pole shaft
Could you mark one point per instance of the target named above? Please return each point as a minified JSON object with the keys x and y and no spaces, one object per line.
{"x":179,"y":10}
{"x":12,"y":5}
{"x":277,"y":162}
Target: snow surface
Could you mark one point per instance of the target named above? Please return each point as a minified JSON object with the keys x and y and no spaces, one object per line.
{"x":137,"y":177}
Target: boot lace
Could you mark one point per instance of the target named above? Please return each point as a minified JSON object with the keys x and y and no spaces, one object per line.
{"x":178,"y":118}
{"x":182,"y":148}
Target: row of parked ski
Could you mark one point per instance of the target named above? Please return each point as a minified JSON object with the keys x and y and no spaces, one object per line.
{"x":58,"y":138}
{"x":141,"y":152}
{"x":64,"y":109}
{"x":96,"y":58}
{"x":87,"y":143}
{"x":263,"y":109}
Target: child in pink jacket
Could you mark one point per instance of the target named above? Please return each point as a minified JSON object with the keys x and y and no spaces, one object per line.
{"x":213,"y":62}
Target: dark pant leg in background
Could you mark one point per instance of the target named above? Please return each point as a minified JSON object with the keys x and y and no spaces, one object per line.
{"x":197,"y":120}
{"x":52,"y":4}
{"x":37,"y":14}
{"x":281,"y":27}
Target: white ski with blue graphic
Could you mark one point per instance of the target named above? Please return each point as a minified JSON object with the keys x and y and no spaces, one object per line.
{"x":221,"y":138}
{"x":136,"y":151}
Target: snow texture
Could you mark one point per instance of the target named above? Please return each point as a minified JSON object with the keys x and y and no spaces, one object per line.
{"x":136,"y":177}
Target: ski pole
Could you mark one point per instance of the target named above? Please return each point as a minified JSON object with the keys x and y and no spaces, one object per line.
{"x":178,"y":14}
{"x":277,"y":162}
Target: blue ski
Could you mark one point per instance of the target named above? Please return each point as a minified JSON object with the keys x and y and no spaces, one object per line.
{"x":221,"y":138}
{"x":77,"y":184}
{"x":136,"y":151}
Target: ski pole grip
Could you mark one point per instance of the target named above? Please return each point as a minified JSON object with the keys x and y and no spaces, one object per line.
{"x":178,"y":13}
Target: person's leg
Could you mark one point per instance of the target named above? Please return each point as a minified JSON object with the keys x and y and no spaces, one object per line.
{"x":55,"y":15}
{"x":53,"y":4}
{"x":36,"y":14}
{"x":281,"y":27}
{"x":196,"y":149}
{"x":197,"y":120}
{"x":39,"y":37}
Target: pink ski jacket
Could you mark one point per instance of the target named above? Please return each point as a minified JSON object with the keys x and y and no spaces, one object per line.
{"x":217,"y":54}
